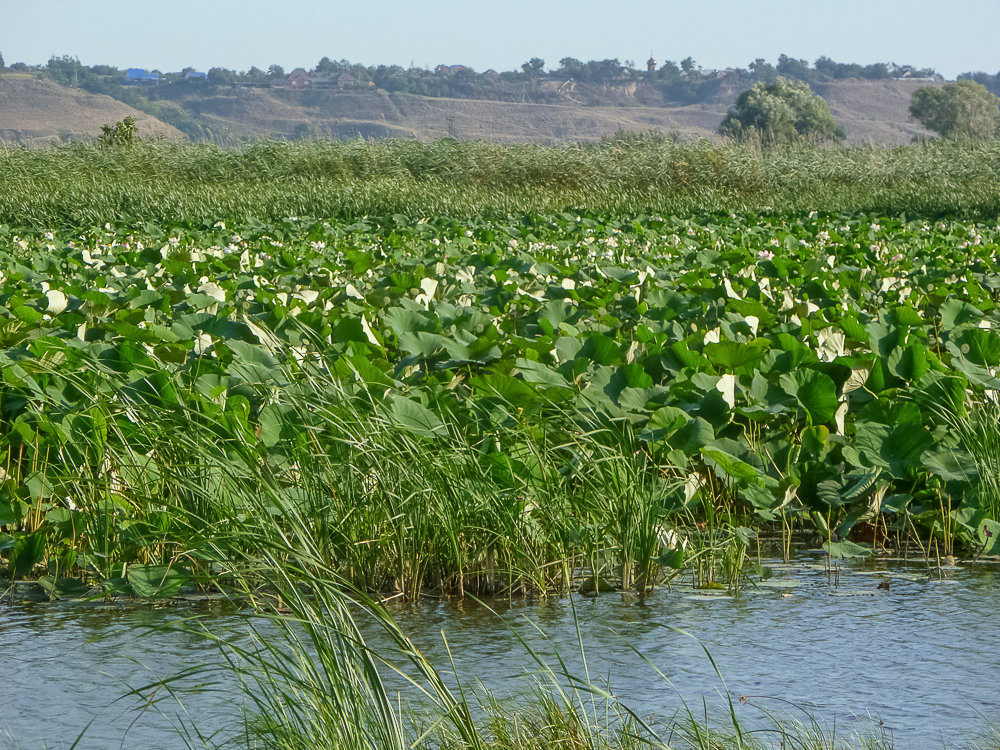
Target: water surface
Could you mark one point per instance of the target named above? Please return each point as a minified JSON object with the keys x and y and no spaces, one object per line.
{"x":918,"y":661}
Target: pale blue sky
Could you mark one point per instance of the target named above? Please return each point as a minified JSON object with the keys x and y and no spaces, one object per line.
{"x":952,"y":38}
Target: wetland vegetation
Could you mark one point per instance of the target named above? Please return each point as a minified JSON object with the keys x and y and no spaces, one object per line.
{"x":304,"y":374}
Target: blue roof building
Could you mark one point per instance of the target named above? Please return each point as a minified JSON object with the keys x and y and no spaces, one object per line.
{"x":138,"y":75}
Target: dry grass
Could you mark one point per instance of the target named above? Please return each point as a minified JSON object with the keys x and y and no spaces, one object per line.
{"x":33,"y":111}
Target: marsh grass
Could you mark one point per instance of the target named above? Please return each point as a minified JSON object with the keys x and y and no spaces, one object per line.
{"x":311,"y":681}
{"x":496,"y":506}
{"x":977,"y":428}
{"x":79,"y":185}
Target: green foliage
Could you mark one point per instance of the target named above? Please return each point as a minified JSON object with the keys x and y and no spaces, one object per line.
{"x":65,"y":70}
{"x":489,"y":405}
{"x":627,"y":175}
{"x":782,"y":112}
{"x":964,"y":111}
{"x":121,"y":134}
{"x":534,"y":66}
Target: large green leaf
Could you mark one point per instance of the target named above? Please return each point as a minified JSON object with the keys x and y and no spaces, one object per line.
{"x":849,"y":550}
{"x":601,"y":350}
{"x":898,"y":449}
{"x":731,"y":465}
{"x":508,"y":388}
{"x":981,"y":346}
{"x":955,"y":312}
{"x":731,"y":354}
{"x":909,"y":362}
{"x":692,"y":437}
{"x":151,"y":581}
{"x":412,"y":416}
{"x":814,"y":391}
{"x":537,"y":372}
{"x":27,"y":551}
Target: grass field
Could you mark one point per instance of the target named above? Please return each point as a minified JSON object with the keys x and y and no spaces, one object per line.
{"x":170,"y":184}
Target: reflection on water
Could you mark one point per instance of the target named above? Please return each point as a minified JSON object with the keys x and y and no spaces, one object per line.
{"x":920,"y":657}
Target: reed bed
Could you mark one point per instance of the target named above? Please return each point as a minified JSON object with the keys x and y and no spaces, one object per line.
{"x":79,"y":185}
{"x":311,"y":681}
{"x":390,"y":511}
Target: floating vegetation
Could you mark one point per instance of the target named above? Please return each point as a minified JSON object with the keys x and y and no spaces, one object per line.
{"x":492,"y":407}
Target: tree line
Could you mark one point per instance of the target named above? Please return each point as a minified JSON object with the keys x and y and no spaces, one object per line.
{"x":680,"y":82}
{"x":788,"y":111}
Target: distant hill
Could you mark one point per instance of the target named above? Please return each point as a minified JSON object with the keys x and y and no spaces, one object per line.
{"x":874,"y":112}
{"x":34,"y":111}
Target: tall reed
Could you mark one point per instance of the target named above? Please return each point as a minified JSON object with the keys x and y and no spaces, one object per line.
{"x":78,"y":185}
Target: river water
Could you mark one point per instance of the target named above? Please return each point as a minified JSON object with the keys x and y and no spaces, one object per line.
{"x":919,"y":660}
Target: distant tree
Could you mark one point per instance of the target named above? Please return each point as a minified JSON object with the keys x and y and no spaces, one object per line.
{"x":876,"y":71}
{"x":789,"y":67}
{"x":390,"y":78}
{"x":535,"y":66}
{"x":762,"y":70}
{"x":255,"y":75}
{"x":990,"y":82}
{"x":964,"y":110}
{"x":64,"y":70}
{"x":121,"y":134}
{"x":669,"y":71}
{"x":688,"y":64}
{"x":276,"y":71}
{"x":605,"y":71}
{"x":570,"y":67}
{"x":1,"y":61}
{"x":779,"y":113}
{"x":221,"y":76}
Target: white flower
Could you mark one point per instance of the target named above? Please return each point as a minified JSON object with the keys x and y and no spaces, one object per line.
{"x":202,"y":343}
{"x":727,"y":387}
{"x":213,"y":290}
{"x":57,"y":301}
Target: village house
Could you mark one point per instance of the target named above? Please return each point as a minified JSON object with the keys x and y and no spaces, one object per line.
{"x":138,"y":75}
{"x":301,"y":78}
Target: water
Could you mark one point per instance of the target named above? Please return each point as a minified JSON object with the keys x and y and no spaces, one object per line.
{"x":919,"y":660}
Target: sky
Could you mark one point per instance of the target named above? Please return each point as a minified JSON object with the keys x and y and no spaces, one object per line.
{"x":169,"y":36}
